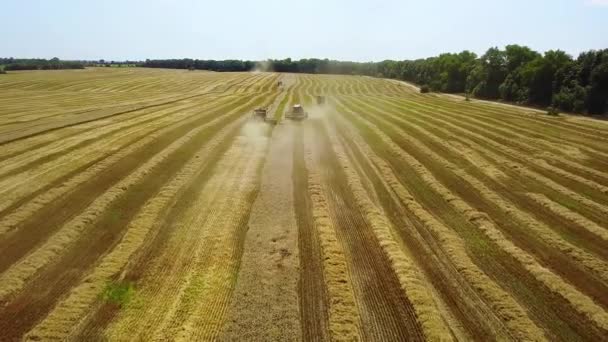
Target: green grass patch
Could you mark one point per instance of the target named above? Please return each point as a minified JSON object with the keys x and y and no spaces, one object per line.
{"x":119,"y":293}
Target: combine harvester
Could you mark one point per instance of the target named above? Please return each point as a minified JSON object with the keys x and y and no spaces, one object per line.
{"x":296,"y":113}
{"x":261,"y":114}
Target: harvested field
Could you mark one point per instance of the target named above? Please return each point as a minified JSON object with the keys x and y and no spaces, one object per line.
{"x":146,"y":204}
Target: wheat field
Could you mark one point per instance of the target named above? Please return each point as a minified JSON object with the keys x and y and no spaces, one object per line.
{"x":146,"y":205}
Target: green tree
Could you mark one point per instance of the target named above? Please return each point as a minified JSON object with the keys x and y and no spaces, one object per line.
{"x":539,"y":75}
{"x":489,"y":73}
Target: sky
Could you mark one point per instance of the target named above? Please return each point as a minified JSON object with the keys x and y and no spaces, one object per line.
{"x":352,"y":30}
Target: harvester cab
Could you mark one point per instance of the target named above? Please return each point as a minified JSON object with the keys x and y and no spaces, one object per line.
{"x":296,"y":113}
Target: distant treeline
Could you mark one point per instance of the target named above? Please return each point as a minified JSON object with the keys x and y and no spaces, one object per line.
{"x":515,"y":74}
{"x":39,"y":64}
{"x":312,"y":65}
{"x":186,"y":63}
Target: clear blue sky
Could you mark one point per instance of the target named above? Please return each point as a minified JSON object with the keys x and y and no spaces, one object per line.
{"x":341,"y":29}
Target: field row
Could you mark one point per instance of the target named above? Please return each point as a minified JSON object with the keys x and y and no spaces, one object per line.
{"x":148,"y":205}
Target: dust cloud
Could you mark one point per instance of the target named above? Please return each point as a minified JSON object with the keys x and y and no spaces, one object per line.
{"x":255,"y":132}
{"x":316,"y":111}
{"x":262,"y":66}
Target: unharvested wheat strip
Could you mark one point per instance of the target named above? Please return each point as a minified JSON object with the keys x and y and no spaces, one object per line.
{"x":409,"y":275}
{"x":525,"y":157}
{"x":510,"y":312}
{"x":10,"y":221}
{"x":589,"y":261}
{"x":518,"y":166}
{"x":580,"y":302}
{"x":559,"y":210}
{"x":59,"y":323}
{"x":143,"y":317}
{"x":344,"y":319}
{"x":15,"y":277}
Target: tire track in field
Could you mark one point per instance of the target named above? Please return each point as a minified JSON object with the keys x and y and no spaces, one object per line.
{"x":51,"y":151}
{"x":424,"y":310}
{"x":54,"y":207}
{"x":551,"y":185}
{"x":200,"y":305}
{"x":459,"y":313}
{"x":140,"y":264}
{"x":571,"y":297}
{"x":489,"y":302}
{"x":17,"y":135}
{"x":386,"y":314}
{"x":578,"y":300}
{"x":270,"y":259}
{"x":344,"y":320}
{"x":313,"y":295}
{"x":66,"y":183}
{"x":550,"y":237}
{"x":53,"y":280}
{"x":501,"y":129}
{"x":38,"y":178}
{"x":572,"y":216}
{"x":166,"y":275}
{"x":500,"y":144}
{"x":437,"y":126}
{"x":534,"y":118}
{"x":82,"y":301}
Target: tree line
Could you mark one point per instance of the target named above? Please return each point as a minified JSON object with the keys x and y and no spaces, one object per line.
{"x":515,"y":74}
{"x":197,"y":64}
{"x":8,"y":64}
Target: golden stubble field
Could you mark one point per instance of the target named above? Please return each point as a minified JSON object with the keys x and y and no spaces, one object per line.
{"x":144,"y":204}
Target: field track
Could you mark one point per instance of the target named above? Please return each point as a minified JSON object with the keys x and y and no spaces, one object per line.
{"x":146,"y":204}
